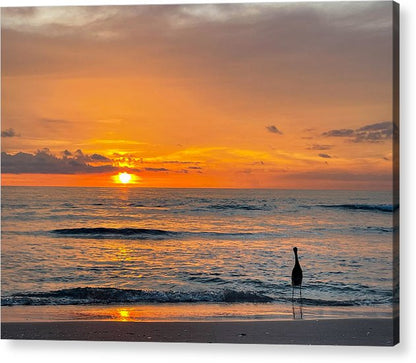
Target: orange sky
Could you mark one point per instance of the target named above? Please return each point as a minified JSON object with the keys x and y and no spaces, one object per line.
{"x":252,"y":96}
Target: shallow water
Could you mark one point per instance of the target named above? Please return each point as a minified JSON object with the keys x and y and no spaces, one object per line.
{"x":66,"y":246}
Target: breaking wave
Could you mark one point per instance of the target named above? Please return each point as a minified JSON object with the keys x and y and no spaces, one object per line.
{"x":142,"y":233}
{"x":104,"y":295}
{"x":362,"y":207}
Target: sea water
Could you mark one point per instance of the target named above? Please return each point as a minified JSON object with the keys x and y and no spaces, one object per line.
{"x":195,"y":253}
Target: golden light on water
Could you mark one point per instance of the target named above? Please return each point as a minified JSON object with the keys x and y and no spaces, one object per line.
{"x":124,"y":314}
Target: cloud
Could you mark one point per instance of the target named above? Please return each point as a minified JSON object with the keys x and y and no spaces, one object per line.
{"x":9,"y":133}
{"x":96,"y":158}
{"x":320,"y":147}
{"x":376,"y":127}
{"x":339,"y":133}
{"x":274,"y":130}
{"x":377,"y":132}
{"x":42,"y":18}
{"x":52,"y":121}
{"x":52,"y":124}
{"x":156,"y":169}
{"x":99,"y":158}
{"x":286,"y":52}
{"x":44,"y":162}
{"x":178,"y":162}
{"x":325,"y":156}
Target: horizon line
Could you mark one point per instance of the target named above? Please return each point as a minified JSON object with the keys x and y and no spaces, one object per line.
{"x":155,"y":187}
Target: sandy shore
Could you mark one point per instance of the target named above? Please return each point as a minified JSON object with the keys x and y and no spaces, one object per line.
{"x":317,"y":332}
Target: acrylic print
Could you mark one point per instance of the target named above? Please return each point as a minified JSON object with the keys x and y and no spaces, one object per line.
{"x":201,"y":173}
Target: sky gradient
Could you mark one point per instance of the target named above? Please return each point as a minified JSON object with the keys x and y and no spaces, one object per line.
{"x":295,"y":95}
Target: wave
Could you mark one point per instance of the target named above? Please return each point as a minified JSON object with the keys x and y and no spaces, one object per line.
{"x":375,"y":229}
{"x":145,"y":233}
{"x":91,"y":296}
{"x":198,"y":207}
{"x":104,"y":232}
{"x":362,"y":207}
{"x":238,"y":207}
{"x":104,"y":295}
{"x":334,"y":303}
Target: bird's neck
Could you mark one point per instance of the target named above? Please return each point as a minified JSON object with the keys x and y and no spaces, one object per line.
{"x":296,"y":258}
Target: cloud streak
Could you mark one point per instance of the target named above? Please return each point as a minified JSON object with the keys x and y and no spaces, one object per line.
{"x":320,"y":147}
{"x":373,"y":133}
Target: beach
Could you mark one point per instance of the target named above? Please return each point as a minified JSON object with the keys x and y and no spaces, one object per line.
{"x":371,"y":332}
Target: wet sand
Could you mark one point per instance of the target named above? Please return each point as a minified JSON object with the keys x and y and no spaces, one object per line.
{"x":373,"y":332}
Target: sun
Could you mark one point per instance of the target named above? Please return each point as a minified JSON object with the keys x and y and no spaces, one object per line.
{"x":124,"y":178}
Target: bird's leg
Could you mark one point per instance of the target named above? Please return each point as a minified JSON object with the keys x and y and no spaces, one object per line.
{"x":300,"y":304}
{"x":293,"y":309}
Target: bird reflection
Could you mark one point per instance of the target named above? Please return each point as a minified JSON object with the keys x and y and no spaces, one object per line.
{"x":297,"y":309}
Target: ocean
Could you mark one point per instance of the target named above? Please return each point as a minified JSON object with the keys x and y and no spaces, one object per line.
{"x":175,"y":254}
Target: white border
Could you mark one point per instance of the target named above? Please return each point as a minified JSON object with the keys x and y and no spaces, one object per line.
{"x":71,"y":352}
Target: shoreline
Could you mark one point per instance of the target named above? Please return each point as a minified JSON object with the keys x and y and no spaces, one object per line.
{"x":188,"y":312}
{"x":352,"y":331}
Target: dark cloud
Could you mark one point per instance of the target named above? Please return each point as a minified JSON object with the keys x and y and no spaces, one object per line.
{"x":377,"y":126}
{"x":320,"y":147}
{"x":271,"y":28}
{"x":99,"y":158}
{"x":325,"y":156}
{"x":274,"y":130}
{"x":179,"y":162}
{"x":9,"y":133}
{"x":194,"y":167}
{"x":44,"y":162}
{"x":339,"y":133}
{"x":156,"y":169}
{"x":96,"y":158}
{"x":377,"y":132}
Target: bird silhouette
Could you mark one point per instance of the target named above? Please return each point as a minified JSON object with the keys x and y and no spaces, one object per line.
{"x":297,"y":274}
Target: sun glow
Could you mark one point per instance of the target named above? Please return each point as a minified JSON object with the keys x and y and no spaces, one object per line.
{"x":124,"y":178}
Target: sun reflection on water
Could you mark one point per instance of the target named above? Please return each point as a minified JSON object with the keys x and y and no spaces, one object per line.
{"x":123,"y":315}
